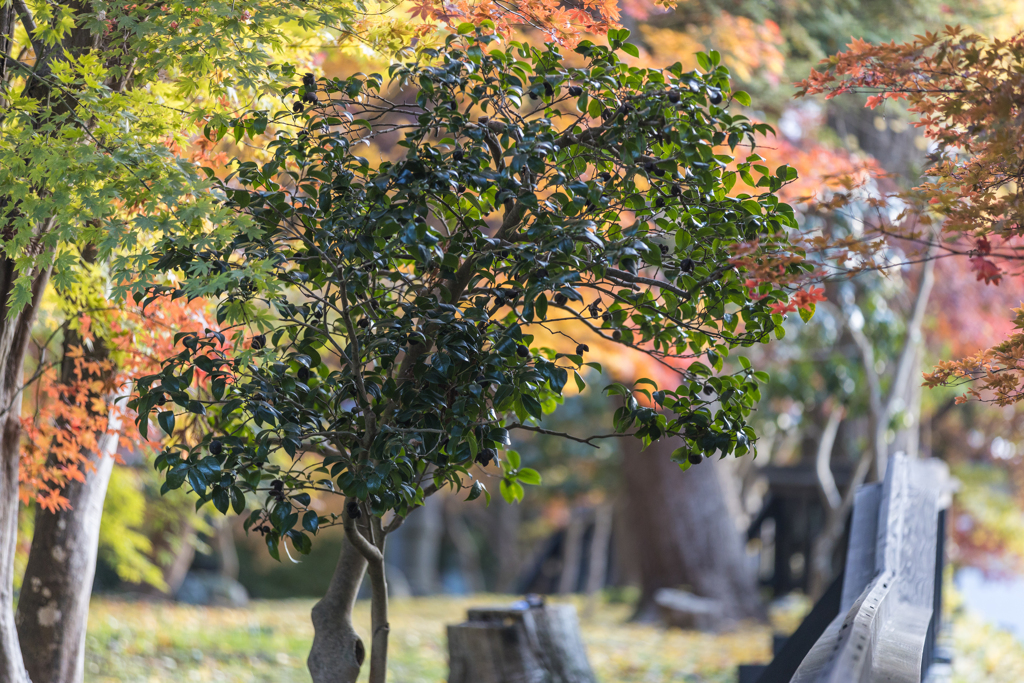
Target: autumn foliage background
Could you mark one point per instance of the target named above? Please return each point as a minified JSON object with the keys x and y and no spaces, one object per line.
{"x":892,"y":150}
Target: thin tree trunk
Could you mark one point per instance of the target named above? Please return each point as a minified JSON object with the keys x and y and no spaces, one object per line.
{"x":836,"y":505}
{"x":367,"y":537}
{"x":572,"y":551}
{"x":504,"y":523}
{"x":54,"y":605}
{"x":597,"y":570}
{"x":14,"y":337}
{"x":683,"y":533}
{"x":416,"y":546}
{"x":12,"y":665}
{"x":462,"y":539}
{"x":381,"y":630}
{"x":226,"y":548}
{"x":338,"y":652}
{"x":175,"y":572}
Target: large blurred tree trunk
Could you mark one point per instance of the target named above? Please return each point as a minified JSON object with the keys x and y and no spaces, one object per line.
{"x":683,"y":533}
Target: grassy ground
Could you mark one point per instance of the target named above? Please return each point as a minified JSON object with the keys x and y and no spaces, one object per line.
{"x":269,"y":642}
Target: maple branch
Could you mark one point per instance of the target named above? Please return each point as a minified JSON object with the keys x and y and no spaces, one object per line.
{"x":25,"y":14}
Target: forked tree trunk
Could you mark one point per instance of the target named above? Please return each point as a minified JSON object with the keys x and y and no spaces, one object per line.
{"x":54,"y":605}
{"x":683,"y":534}
{"x":53,"y":608}
{"x":338,"y":652}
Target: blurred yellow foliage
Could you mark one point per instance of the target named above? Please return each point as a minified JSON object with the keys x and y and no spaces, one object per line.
{"x":748,"y":48}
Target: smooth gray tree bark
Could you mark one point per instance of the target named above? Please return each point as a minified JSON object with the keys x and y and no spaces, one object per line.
{"x":338,"y":652}
{"x":53,"y":608}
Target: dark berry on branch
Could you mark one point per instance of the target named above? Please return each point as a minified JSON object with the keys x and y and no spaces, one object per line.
{"x":533,"y":95}
{"x":581,"y":349}
{"x":575,"y":90}
{"x":458,"y":155}
{"x":353,"y":511}
{"x":607,"y":317}
{"x":673,"y":96}
{"x":695,"y":458}
{"x":561,"y":299}
{"x":303,"y":374}
{"x":676,"y":190}
{"x":485,"y":456}
{"x":664,"y":248}
{"x":363,"y":323}
{"x":216,"y":447}
{"x":162,"y":400}
{"x":605,"y":176}
{"x":297,"y":107}
{"x":716,"y":96}
{"x":259,"y":341}
{"x":548,"y":90}
{"x":522,"y":351}
{"x":687,"y":265}
{"x":659,"y":202}
{"x":617,"y":335}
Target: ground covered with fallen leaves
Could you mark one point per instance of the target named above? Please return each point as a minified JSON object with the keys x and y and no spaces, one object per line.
{"x":268,"y":642}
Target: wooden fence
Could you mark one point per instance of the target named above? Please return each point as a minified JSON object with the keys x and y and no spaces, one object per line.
{"x":879,"y":621}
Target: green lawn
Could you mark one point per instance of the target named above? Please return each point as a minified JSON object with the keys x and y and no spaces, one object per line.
{"x":137,"y":641}
{"x":268,"y":642}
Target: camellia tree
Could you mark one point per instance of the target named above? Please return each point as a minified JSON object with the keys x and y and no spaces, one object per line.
{"x":99,"y":102}
{"x":378,"y":321}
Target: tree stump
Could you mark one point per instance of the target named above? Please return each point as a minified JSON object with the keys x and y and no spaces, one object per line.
{"x":508,"y":645}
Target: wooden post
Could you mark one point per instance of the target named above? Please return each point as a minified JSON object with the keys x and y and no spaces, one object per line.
{"x":509,"y":645}
{"x":885,"y":621}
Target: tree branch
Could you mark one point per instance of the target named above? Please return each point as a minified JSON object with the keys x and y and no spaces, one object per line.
{"x":908,"y":356}
{"x":564,"y":435}
{"x":365,"y":548}
{"x":25,"y":14}
{"x":823,"y":459}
